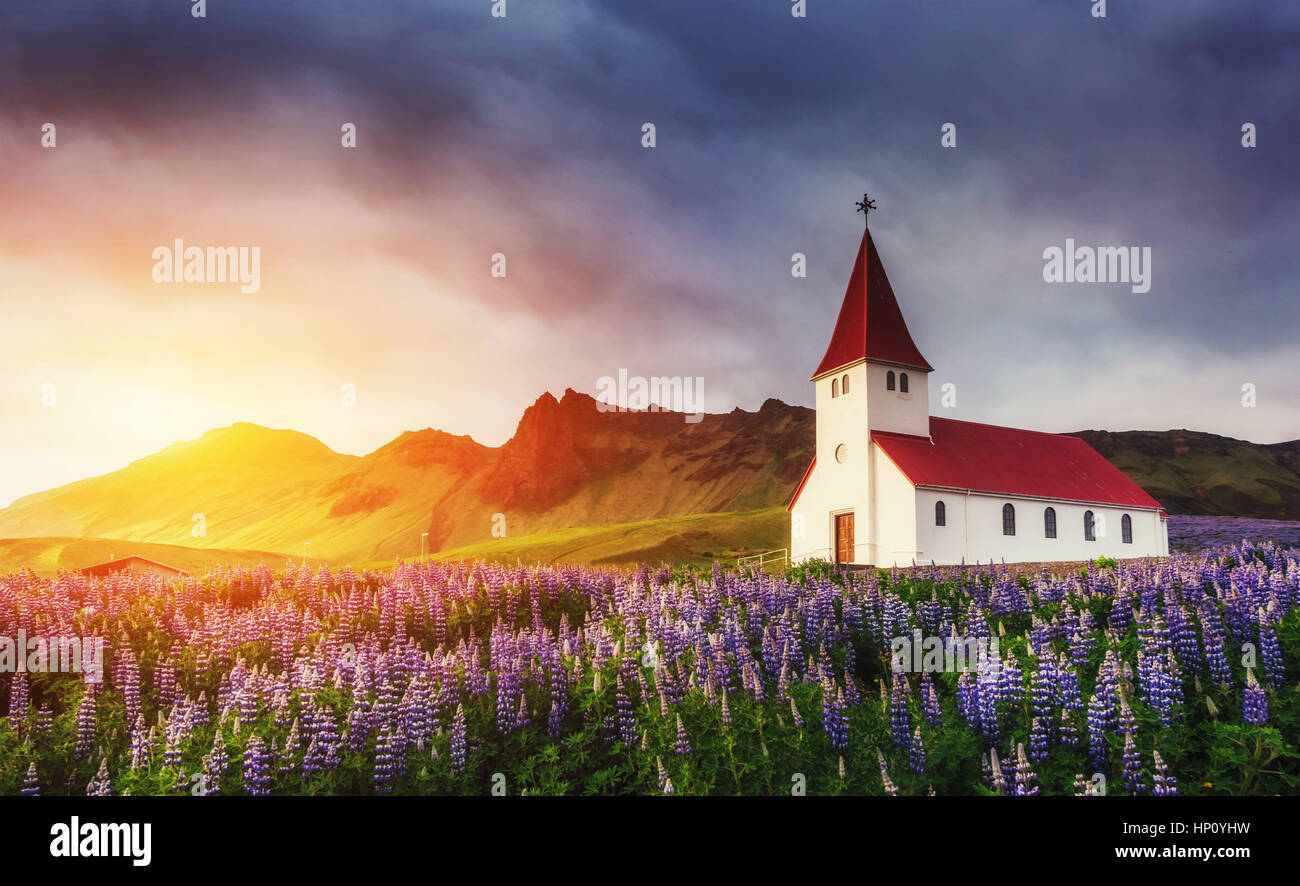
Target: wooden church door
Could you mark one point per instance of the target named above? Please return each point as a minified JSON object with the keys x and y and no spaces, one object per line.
{"x":844,"y":538}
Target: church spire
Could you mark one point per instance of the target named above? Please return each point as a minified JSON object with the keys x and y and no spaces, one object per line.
{"x":865,"y":205}
{"x":870,"y":325}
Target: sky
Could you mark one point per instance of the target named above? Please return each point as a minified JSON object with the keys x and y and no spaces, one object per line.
{"x":522,"y":136}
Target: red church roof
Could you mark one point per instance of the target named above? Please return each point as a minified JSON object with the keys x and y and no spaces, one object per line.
{"x":987,"y":458}
{"x":870,"y":324}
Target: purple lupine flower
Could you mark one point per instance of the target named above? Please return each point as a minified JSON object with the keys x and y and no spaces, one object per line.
{"x":1042,"y":686}
{"x":31,"y":784}
{"x":683,"y":740}
{"x":18,"y":700}
{"x":900,"y":721}
{"x":323,"y":747}
{"x":1026,"y":780}
{"x":509,"y":689}
{"x":44,"y":720}
{"x":257,"y":768}
{"x":522,"y":717}
{"x":1212,"y":636}
{"x":1068,"y":693}
{"x":1098,"y":723}
{"x":1269,"y":647}
{"x":458,"y":741}
{"x":215,"y":763}
{"x":1127,"y":724}
{"x":997,"y":781}
{"x":1068,"y":731}
{"x":198,"y":712}
{"x":1183,"y":636}
{"x":1134,"y":780}
{"x":886,"y":781}
{"x":968,"y":704}
{"x":358,"y":727}
{"x":141,"y":745}
{"x":1010,"y":686}
{"x":100,"y":786}
{"x":986,"y":694}
{"x":833,"y":722}
{"x":175,"y":733}
{"x":916,"y":754}
{"x":1038,"y":740}
{"x":85,"y":724}
{"x":930,"y":701}
{"x":1255,"y":702}
{"x":558,"y":688}
{"x":288,"y":763}
{"x":130,"y":686}
{"x":385,"y":762}
{"x":1165,"y":784}
{"x":627,"y":726}
{"x":794,"y":711}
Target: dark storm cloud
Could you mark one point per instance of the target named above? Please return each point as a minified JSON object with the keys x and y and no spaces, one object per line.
{"x":1119,"y":131}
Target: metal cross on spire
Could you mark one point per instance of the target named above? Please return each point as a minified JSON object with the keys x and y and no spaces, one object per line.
{"x":865,"y":205}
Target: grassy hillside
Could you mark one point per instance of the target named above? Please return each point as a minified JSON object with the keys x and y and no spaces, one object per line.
{"x":47,"y":556}
{"x":1190,"y":472}
{"x":567,"y":465}
{"x":696,"y":539}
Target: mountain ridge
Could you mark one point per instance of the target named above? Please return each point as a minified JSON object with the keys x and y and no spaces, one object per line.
{"x":568,"y":464}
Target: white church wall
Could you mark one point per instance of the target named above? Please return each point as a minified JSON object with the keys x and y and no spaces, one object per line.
{"x":835,"y":486}
{"x":810,"y":531}
{"x":842,"y":419}
{"x":895,"y":411}
{"x":978,"y":519}
{"x":942,"y":544}
{"x":893,"y":536}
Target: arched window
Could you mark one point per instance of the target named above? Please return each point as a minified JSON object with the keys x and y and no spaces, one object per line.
{"x":835,"y":387}
{"x":844,"y":385}
{"x":1008,"y":519}
{"x":902,"y":382}
{"x":1049,"y":523}
{"x":889,"y":380}
{"x":1126,"y":529}
{"x":1089,"y":527}
{"x":940,"y":514}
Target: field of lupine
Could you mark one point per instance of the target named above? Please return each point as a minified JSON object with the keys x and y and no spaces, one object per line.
{"x":1169,"y":677}
{"x":1197,"y":533}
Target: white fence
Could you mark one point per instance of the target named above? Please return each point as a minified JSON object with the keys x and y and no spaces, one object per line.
{"x":780,"y":555}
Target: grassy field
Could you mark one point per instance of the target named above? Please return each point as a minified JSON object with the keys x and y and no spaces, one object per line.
{"x":692,"y":539}
{"x":48,"y":556}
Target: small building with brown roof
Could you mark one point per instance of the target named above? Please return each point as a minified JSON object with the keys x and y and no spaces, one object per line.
{"x":134,"y":564}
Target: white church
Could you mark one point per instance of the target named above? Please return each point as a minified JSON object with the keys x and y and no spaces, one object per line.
{"x":891,"y":485}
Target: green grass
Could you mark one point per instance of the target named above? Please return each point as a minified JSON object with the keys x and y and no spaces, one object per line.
{"x":47,"y":556}
{"x":687,"y":540}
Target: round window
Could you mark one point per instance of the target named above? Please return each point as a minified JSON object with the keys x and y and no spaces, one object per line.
{"x":841,"y":453}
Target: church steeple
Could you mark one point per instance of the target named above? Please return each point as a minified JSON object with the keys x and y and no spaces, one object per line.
{"x":870,"y":325}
